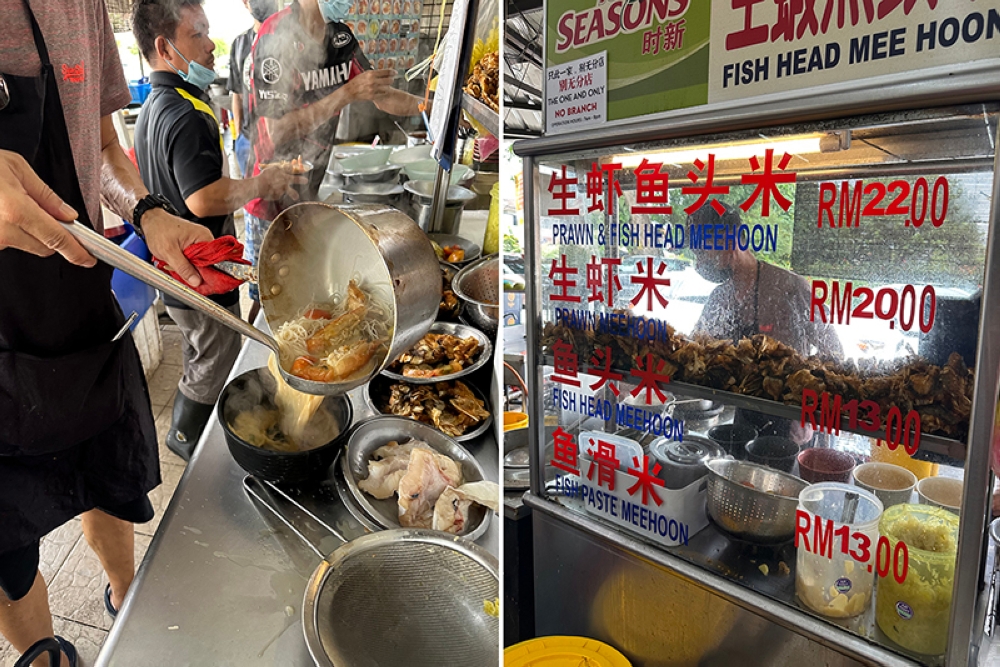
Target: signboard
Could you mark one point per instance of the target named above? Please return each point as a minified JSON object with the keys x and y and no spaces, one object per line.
{"x":577,"y":93}
{"x":664,"y":55}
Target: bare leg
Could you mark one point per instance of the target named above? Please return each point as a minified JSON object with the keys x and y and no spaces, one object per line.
{"x":26,"y":621}
{"x":113,"y":540}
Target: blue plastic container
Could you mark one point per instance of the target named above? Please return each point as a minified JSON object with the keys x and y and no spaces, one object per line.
{"x":140,"y":90}
{"x":133,"y":295}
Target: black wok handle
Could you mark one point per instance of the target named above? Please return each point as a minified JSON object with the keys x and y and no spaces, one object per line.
{"x":256,"y":488}
{"x":38,"y":649}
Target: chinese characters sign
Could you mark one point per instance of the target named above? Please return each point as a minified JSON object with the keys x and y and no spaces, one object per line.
{"x":673,"y":54}
{"x":576,"y":93}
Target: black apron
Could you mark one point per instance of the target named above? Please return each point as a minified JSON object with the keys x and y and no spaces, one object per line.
{"x":76,"y":431}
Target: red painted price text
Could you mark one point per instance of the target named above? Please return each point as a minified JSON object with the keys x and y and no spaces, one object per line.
{"x":864,"y":415}
{"x":844,"y":204}
{"x":818,"y":536}
{"x":839,"y":303}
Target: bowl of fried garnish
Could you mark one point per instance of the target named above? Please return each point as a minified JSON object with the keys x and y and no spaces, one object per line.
{"x":447,"y":352}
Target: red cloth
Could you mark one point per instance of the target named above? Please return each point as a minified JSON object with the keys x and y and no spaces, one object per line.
{"x":203,"y":255}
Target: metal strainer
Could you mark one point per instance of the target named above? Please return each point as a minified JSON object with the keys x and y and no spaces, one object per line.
{"x":478,"y":287}
{"x":752,"y":502}
{"x":397,"y":597}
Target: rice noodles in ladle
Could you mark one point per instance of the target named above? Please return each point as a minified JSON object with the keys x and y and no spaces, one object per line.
{"x":334,"y":343}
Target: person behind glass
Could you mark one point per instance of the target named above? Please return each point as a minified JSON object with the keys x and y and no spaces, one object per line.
{"x":178,"y":146}
{"x":754,"y":297}
{"x":238,"y":83}
{"x":77,"y":436}
{"x":307,"y":66}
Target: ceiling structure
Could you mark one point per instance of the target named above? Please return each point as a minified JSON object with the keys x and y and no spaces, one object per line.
{"x":523,"y":82}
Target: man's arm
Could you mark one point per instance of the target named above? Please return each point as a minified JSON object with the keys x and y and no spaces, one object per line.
{"x":399,"y":103}
{"x":121,"y":190}
{"x":228,"y":194}
{"x":371,"y":85}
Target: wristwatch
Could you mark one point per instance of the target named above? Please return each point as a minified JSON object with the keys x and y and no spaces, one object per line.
{"x":145,"y":204}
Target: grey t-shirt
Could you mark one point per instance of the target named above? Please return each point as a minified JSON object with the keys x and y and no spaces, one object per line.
{"x":82,"y":49}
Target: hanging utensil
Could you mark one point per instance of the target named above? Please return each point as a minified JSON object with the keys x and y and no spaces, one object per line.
{"x":396,"y":597}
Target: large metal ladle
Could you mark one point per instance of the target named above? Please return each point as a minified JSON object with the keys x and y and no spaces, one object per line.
{"x":310,"y":252}
{"x":109,"y":252}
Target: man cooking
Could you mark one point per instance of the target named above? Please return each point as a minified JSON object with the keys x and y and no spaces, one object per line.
{"x":76,"y":428}
{"x":306,"y":67}
{"x":755,"y":297}
{"x":179,"y":150}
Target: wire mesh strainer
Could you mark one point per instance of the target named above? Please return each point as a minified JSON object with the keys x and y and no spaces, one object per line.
{"x":478,"y":287}
{"x":751,"y":501}
{"x":396,"y":597}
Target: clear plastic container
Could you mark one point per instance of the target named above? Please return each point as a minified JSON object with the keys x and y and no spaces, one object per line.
{"x":836,"y":535}
{"x":914,"y":612}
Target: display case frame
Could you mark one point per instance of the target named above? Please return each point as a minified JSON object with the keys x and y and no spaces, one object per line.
{"x":977,"y":82}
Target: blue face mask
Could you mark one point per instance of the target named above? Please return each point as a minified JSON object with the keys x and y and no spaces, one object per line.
{"x":197,"y":75}
{"x":334,"y":10}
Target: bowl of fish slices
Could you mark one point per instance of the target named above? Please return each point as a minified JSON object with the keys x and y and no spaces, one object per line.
{"x":404,"y":474}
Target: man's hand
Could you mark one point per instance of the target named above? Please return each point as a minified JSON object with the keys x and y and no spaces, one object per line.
{"x":168,"y":235}
{"x":274,"y":182}
{"x":31,"y":214}
{"x":370,"y":85}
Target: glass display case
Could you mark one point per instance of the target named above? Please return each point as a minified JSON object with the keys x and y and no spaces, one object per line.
{"x":757,"y":353}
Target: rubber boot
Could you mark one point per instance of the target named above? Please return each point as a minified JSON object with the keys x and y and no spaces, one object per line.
{"x":187,"y":423}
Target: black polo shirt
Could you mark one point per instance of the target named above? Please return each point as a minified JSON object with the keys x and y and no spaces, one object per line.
{"x":179,"y":150}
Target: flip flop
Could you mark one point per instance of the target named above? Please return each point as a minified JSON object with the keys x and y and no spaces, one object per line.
{"x":51,"y":646}
{"x":112,"y":612}
{"x":69,"y":650}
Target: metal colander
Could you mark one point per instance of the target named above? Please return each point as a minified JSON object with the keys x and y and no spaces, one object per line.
{"x":397,"y":597}
{"x":752,"y":502}
{"x":477,"y":286}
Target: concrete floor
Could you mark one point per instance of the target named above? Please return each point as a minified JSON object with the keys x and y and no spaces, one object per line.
{"x":72,"y":571}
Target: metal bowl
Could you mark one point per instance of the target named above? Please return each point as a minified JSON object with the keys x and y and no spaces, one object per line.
{"x":762,"y":513}
{"x":371,"y":434}
{"x":478,"y":287}
{"x":472,"y":251}
{"x":256,"y":387}
{"x":384,"y":174}
{"x":462,"y":331}
{"x":380,"y":386}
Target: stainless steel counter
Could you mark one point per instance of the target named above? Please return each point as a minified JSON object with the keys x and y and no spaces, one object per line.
{"x":221,"y":584}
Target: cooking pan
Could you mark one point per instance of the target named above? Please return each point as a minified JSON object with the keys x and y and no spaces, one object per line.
{"x":310,"y":252}
{"x":396,"y":597}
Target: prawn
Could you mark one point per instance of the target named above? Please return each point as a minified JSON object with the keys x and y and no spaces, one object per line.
{"x":355,"y":297}
{"x":309,"y":368}
{"x":336,"y":330}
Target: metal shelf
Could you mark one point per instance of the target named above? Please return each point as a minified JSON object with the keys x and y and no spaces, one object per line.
{"x":935,"y":446}
{"x":482,"y":113}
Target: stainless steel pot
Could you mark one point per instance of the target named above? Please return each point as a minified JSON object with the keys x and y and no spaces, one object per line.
{"x":310,"y":252}
{"x":421,"y":203}
{"x":683,"y":463}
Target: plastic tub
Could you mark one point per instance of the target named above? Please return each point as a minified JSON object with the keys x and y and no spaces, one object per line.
{"x":828,"y":581}
{"x":914,"y":612}
{"x":514,"y":420}
{"x":944,"y":492}
{"x":773,"y":451}
{"x":563,"y":652}
{"x":733,"y":438}
{"x":891,"y":483}
{"x":825,"y":465}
